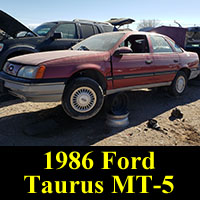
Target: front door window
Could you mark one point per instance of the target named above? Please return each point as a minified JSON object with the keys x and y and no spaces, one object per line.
{"x":68,"y":31}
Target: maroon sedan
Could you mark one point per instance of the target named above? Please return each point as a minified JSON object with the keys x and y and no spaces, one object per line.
{"x":98,"y":66}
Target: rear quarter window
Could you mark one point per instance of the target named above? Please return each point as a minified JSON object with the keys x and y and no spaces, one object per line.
{"x":175,"y":46}
{"x":107,"y":28}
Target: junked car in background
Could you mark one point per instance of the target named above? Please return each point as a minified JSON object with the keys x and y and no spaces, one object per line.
{"x":192,"y":41}
{"x":101,"y":65}
{"x":16,"y":39}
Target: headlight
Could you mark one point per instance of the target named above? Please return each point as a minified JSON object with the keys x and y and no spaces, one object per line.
{"x":1,"y":46}
{"x":31,"y":72}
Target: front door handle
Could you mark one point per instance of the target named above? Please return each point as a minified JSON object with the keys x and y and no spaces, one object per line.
{"x":175,"y":61}
{"x":148,"y":61}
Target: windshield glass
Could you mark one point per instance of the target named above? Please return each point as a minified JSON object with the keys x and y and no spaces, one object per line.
{"x":99,"y":42}
{"x":43,"y":29}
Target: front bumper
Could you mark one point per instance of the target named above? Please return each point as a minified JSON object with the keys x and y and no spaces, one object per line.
{"x":43,"y":90}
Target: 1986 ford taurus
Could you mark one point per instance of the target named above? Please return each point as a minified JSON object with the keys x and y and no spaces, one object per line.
{"x":98,"y":66}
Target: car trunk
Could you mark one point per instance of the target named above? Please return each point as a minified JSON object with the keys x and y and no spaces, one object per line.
{"x":121,"y":21}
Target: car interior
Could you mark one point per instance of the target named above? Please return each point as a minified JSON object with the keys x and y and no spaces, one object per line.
{"x":138,"y":43}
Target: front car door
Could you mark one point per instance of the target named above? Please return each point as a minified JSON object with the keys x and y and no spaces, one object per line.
{"x":69,"y":37}
{"x":136,"y":68}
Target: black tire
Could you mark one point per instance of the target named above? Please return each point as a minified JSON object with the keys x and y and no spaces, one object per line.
{"x":117,"y":104}
{"x":82,"y":98}
{"x":179,"y":84}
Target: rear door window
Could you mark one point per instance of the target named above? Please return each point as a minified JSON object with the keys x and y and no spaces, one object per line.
{"x":160,"y":45}
{"x":87,"y":30}
{"x":67,"y":31}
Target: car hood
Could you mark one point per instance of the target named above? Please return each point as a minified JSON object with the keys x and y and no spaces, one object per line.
{"x":67,"y":55}
{"x":11,"y":26}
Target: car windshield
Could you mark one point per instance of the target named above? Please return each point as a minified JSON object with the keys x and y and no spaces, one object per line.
{"x":99,"y":42}
{"x":44,"y":29}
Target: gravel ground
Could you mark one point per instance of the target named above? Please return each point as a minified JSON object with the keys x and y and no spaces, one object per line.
{"x":40,"y":124}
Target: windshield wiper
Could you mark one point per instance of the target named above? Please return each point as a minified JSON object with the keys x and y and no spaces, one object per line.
{"x":83,"y":48}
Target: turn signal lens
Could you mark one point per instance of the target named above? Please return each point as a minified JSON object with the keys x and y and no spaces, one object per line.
{"x":40,"y":72}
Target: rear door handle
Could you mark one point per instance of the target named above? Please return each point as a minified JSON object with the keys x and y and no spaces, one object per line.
{"x":175,"y":61}
{"x":148,"y":61}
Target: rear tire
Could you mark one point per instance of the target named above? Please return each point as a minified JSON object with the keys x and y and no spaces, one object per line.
{"x":179,"y":84}
{"x":82,"y":98}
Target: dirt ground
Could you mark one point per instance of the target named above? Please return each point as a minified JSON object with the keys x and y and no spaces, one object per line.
{"x":27,"y":123}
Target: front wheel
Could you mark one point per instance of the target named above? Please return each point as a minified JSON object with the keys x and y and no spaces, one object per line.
{"x":179,"y":84}
{"x":82,"y":98}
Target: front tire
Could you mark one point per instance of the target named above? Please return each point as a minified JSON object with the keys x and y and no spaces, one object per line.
{"x":179,"y":84}
{"x":82,"y":98}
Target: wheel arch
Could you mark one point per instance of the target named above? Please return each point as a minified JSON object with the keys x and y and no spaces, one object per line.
{"x":19,"y":50}
{"x":93,"y":74}
{"x":186,"y":71}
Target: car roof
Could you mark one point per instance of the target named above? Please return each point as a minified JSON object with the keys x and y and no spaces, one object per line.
{"x":92,"y":22}
{"x":80,"y":20}
{"x":135,"y":32}
{"x":141,"y":33}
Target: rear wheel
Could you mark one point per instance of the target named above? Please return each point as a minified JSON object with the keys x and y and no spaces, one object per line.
{"x":82,"y":98}
{"x":179,"y":84}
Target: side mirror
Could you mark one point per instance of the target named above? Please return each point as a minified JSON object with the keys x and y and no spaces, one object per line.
{"x":122,"y":50}
{"x":56,"y":36}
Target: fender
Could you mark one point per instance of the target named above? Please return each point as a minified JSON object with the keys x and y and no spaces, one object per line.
{"x":91,"y":70}
{"x":89,"y":66}
{"x":19,"y":48}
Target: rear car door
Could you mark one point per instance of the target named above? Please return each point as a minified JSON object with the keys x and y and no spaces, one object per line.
{"x":69,"y":37}
{"x":166,"y":60}
{"x":136,"y":68}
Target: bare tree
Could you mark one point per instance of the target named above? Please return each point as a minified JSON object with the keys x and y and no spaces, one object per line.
{"x":148,"y":23}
